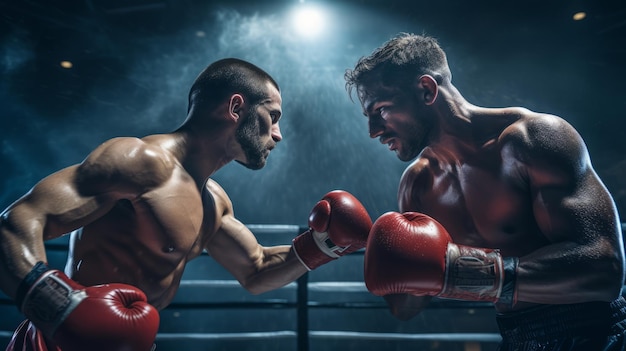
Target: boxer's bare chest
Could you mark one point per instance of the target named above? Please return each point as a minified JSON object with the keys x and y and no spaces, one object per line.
{"x":482,"y":204}
{"x":148,"y":240}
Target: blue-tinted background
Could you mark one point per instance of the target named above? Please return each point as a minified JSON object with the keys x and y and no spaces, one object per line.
{"x":135,"y":60}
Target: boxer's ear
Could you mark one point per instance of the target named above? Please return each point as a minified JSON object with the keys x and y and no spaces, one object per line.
{"x":235,"y":107}
{"x":427,"y":88}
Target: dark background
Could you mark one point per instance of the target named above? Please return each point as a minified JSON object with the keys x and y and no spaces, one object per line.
{"x":133,"y":62}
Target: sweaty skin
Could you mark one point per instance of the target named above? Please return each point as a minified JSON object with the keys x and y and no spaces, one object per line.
{"x":504,"y":178}
{"x":140,"y":209}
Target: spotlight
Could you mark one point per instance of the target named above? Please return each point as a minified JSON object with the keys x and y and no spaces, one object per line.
{"x":308,"y":20}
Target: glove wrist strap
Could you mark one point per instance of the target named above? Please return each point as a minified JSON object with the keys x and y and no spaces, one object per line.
{"x":38,"y":270}
{"x":508,"y":296}
{"x":49,"y":299}
{"x":309,"y":250}
{"x":473,"y":274}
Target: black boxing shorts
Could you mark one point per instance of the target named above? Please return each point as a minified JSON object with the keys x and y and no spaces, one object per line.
{"x":597,"y":326}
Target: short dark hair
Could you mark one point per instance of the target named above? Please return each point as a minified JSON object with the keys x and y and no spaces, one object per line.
{"x":228,"y":76}
{"x":398,"y":61}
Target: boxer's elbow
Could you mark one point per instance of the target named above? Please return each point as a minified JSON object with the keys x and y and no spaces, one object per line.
{"x":614,"y":274}
{"x":260,"y":285}
{"x":614,"y":279}
{"x":255,"y":289}
{"x":612,"y":290}
{"x":606,"y":279}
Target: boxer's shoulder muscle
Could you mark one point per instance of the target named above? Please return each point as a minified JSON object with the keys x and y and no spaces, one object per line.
{"x":543,"y":135}
{"x":415,"y":179}
{"x":124,"y":165}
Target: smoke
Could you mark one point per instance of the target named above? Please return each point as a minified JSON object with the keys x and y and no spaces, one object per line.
{"x":326,"y":144}
{"x":143,"y":90}
{"x":15,"y":52}
{"x":129,"y":84}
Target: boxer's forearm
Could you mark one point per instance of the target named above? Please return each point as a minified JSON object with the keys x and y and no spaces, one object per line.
{"x":20,"y":250}
{"x":568,"y":272}
{"x":279,"y":267}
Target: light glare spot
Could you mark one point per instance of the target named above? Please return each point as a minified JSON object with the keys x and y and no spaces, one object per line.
{"x":308,"y":21}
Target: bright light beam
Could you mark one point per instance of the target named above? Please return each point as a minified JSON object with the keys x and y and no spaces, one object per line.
{"x":309,"y":21}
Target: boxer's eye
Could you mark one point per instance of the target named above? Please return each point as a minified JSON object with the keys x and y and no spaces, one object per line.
{"x":275,"y":116}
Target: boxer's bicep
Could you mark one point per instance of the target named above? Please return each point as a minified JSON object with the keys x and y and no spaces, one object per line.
{"x":121,"y":168}
{"x":570,"y":202}
{"x":77,"y":195}
{"x":50,"y":209}
{"x":53,"y":207}
{"x":585,"y":260}
{"x":235,"y":247}
{"x":232,"y":244}
{"x":574,"y":212}
{"x":258,"y":268}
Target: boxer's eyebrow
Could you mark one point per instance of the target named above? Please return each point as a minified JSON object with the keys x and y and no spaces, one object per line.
{"x":369,"y":105}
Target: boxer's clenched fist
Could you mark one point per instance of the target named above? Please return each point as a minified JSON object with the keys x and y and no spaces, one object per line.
{"x":110,"y":317}
{"x":412,"y":253}
{"x":339,"y":225}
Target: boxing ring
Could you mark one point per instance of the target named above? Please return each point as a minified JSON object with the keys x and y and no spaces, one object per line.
{"x":326,"y":309}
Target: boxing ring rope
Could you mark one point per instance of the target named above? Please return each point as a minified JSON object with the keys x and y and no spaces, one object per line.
{"x":347,"y":335}
{"x":302,"y":304}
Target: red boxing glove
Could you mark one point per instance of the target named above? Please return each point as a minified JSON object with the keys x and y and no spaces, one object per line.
{"x":110,"y":317}
{"x":339,"y":225}
{"x":412,"y":253}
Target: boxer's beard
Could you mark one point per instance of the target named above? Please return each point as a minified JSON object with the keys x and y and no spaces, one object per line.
{"x":248,"y":137}
{"x":419,"y":138}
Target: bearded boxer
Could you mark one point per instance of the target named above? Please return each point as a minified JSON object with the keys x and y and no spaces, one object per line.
{"x":498,"y":204}
{"x":139,"y":209}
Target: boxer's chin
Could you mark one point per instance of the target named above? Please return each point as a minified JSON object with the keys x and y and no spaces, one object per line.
{"x":254,"y":164}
